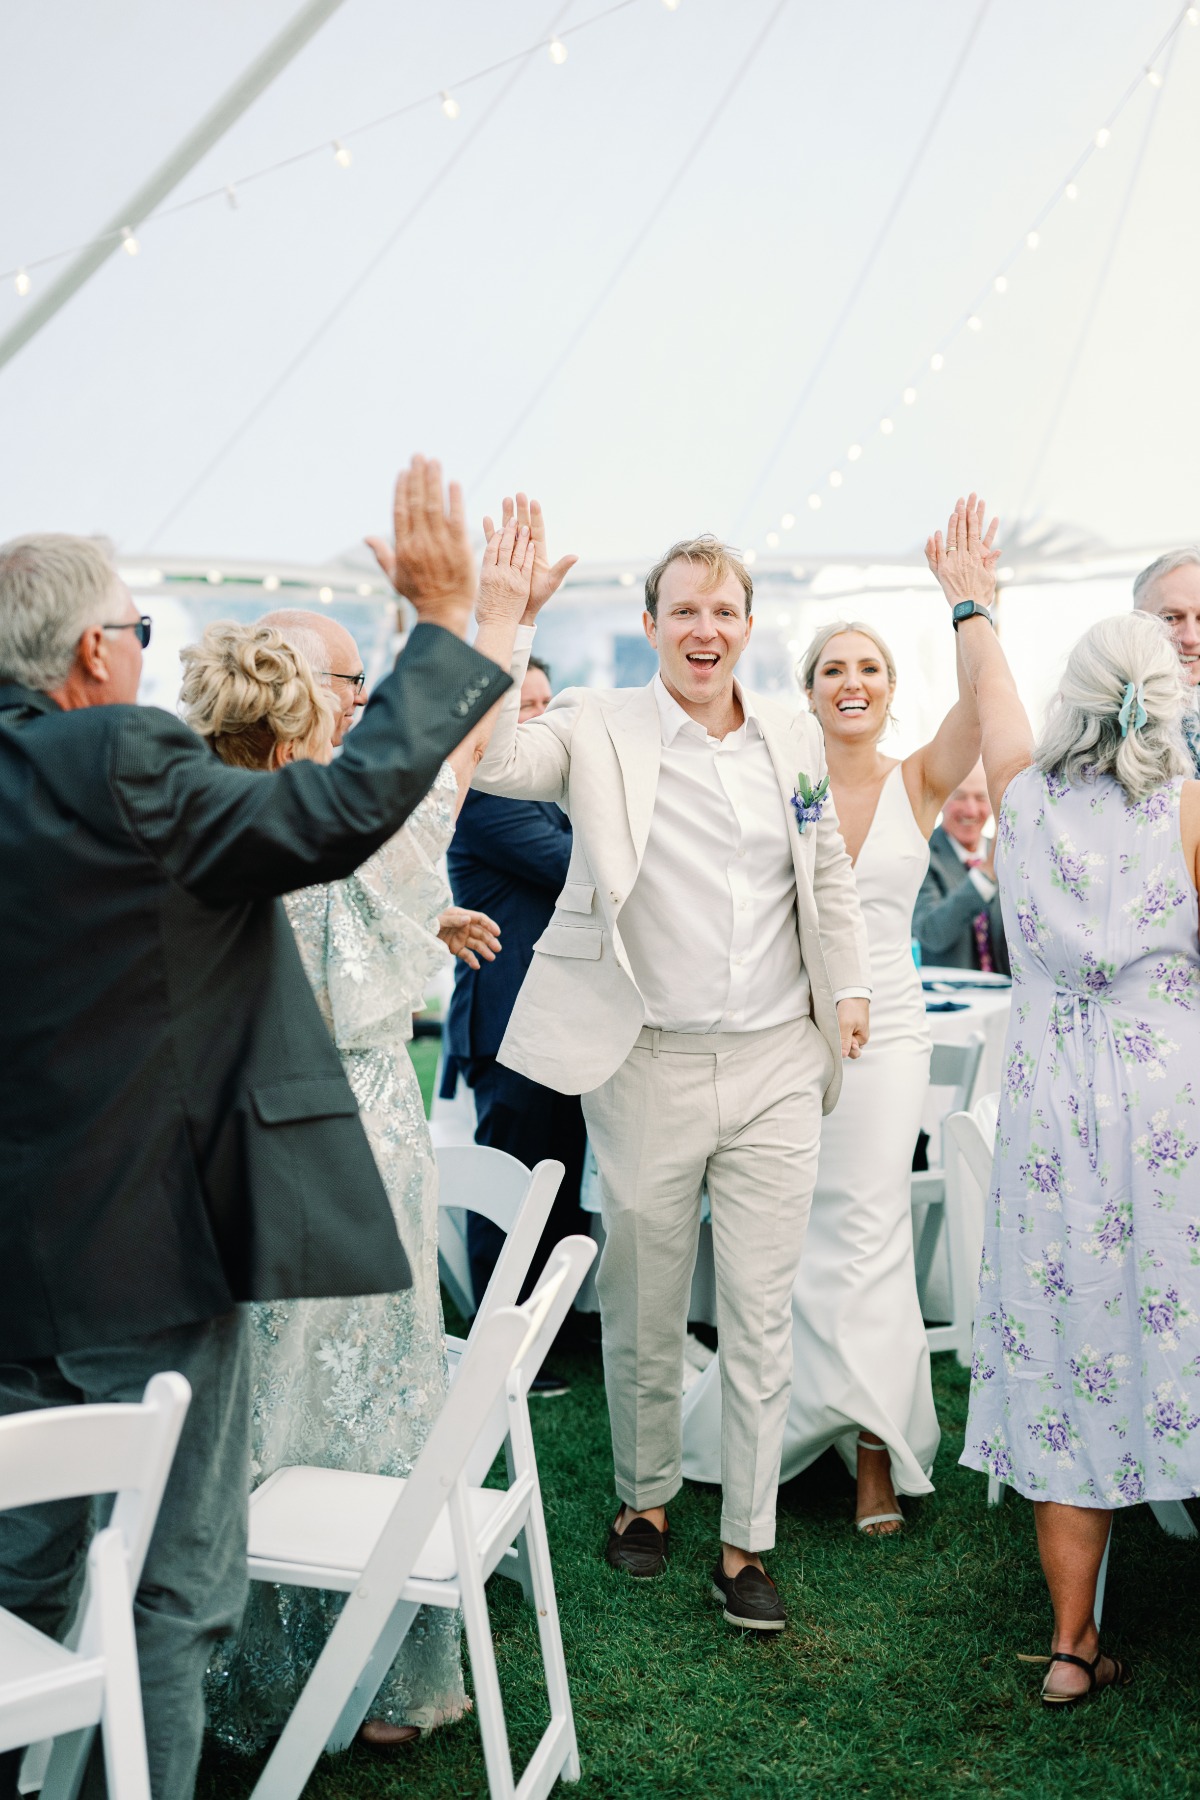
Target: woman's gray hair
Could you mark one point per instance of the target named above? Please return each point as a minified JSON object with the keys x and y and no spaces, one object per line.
{"x":1083,"y":728}
{"x":52,"y":587}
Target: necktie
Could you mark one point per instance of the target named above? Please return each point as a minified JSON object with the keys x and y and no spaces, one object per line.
{"x":981,"y":926}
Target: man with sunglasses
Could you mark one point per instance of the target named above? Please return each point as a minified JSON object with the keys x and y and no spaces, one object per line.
{"x":176,"y":1131}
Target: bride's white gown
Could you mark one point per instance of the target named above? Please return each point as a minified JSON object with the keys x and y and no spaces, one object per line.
{"x":860,"y":1355}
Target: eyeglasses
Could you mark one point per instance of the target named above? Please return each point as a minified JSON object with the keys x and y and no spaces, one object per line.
{"x":141,"y":626}
{"x":358,"y":682}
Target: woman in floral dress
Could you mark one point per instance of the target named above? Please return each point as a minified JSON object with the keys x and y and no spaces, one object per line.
{"x":1085,"y":1391}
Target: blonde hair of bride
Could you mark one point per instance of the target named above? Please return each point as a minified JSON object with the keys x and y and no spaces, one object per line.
{"x":248,"y":690}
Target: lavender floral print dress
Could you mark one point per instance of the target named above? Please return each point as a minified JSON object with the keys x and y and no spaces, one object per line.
{"x":1085,"y":1380}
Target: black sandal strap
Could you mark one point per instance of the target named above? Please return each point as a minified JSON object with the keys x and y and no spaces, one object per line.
{"x":1089,"y":1668}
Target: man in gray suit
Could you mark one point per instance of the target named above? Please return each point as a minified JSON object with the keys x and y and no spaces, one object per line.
{"x":1170,"y":587}
{"x":957,"y":916}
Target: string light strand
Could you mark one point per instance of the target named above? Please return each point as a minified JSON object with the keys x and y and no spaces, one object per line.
{"x":439,"y":97}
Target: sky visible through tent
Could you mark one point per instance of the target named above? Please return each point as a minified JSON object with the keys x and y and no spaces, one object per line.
{"x":661,"y":293}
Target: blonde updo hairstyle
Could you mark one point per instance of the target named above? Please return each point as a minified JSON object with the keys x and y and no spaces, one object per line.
{"x":807,"y":671}
{"x":1083,"y":729}
{"x":249,"y":689}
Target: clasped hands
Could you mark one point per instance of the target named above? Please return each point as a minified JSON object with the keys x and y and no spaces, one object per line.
{"x":430,"y":562}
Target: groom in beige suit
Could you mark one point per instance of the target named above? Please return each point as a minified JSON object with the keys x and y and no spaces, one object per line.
{"x":703,"y":976}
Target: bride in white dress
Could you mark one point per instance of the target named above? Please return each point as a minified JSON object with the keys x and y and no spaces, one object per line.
{"x":861,"y":1361}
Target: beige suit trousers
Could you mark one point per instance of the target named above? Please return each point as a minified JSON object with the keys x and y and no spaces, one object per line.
{"x":744,"y":1110}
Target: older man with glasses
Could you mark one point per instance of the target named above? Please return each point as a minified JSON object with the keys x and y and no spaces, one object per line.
{"x":343,"y":670}
{"x":176,"y":1131}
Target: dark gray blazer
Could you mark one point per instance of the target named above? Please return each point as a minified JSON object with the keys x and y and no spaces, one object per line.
{"x":176,"y":1131}
{"x":946,"y":905}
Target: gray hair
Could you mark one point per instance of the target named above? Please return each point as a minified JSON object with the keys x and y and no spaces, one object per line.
{"x":306,"y":643}
{"x":1083,"y":731}
{"x":52,"y":587}
{"x":1163,"y":565}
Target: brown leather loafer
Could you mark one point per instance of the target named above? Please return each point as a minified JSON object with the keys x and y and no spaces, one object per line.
{"x":640,"y":1550}
{"x":750,"y":1598}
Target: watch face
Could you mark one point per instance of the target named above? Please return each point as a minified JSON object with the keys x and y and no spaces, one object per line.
{"x":964,"y":609}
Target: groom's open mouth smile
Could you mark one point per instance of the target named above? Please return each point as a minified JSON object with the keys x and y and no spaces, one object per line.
{"x":703,"y":659}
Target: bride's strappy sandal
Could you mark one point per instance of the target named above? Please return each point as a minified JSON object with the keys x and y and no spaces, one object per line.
{"x":872,"y":1519}
{"x":1122,"y":1676}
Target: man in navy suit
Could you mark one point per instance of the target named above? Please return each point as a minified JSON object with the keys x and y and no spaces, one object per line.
{"x":509,"y":859}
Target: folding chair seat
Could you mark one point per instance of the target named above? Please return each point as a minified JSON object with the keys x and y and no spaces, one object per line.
{"x":432,"y":1539}
{"x":52,"y":1695}
{"x":952,"y":1066}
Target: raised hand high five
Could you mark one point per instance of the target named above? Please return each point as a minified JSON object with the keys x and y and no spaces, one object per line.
{"x":547,"y":577}
{"x":505,"y":573}
{"x":964,"y":562}
{"x":430,"y":560}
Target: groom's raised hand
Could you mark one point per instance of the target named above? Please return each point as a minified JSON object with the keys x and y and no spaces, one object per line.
{"x":430,"y":560}
{"x":854,"y":1022}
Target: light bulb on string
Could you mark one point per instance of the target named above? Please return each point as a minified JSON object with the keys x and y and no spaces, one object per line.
{"x":450,"y":105}
{"x":557,"y":50}
{"x":787,"y":521}
{"x":1001,"y":284}
{"x":1154,"y":78}
{"x":364,"y":590}
{"x":937,"y":362}
{"x":22,"y":283}
{"x":671,"y":5}
{"x":750,"y":556}
{"x":341,"y":156}
{"x":1193,"y":15}
{"x":772,"y":540}
{"x":814,"y":501}
{"x":231,"y":196}
{"x":854,"y":452}
{"x":214,"y":578}
{"x":887,"y":427}
{"x":974,"y":323}
{"x":1033,"y":239}
{"x":836,"y":478}
{"x":1102,"y":137}
{"x":910,"y":396}
{"x":271,"y":583}
{"x":1071,"y":191}
{"x":128,"y":242}
{"x":325,"y":595}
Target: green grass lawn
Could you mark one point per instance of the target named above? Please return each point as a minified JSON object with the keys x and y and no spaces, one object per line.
{"x":897,"y":1676}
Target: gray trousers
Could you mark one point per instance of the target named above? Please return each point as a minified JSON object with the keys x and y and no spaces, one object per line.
{"x":194,"y":1583}
{"x":742,"y":1110}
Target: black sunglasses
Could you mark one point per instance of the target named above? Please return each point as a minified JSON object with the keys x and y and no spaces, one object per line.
{"x":141,"y":626}
{"x":358,"y":680}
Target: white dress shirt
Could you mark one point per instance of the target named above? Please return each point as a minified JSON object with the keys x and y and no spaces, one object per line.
{"x":710,"y":926}
{"x":986,"y":889}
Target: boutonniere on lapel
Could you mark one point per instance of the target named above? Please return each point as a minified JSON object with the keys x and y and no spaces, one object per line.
{"x":808,"y":800}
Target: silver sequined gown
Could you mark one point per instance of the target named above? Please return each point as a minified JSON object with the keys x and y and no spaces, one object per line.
{"x":356,"y":1384}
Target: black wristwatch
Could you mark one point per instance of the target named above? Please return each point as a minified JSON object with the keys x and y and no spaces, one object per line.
{"x":966,"y":609}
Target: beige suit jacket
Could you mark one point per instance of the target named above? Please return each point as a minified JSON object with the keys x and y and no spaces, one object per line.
{"x":597,"y":753}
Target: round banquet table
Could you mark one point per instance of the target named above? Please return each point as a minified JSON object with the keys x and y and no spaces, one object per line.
{"x":983,"y":1009}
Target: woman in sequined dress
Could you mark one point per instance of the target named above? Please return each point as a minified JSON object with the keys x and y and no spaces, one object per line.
{"x":351,"y":1383}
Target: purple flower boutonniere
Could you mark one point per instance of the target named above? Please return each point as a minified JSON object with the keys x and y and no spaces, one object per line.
{"x":808,"y":800}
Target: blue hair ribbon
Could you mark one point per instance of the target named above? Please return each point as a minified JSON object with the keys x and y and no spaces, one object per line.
{"x":1128,"y":719}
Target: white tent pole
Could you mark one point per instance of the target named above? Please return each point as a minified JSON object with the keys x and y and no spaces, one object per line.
{"x":213,"y":126}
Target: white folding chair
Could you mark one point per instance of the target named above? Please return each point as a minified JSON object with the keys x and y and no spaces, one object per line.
{"x":61,"y":1692}
{"x":474,"y":1178}
{"x":952,"y":1066}
{"x":431,"y":1540}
